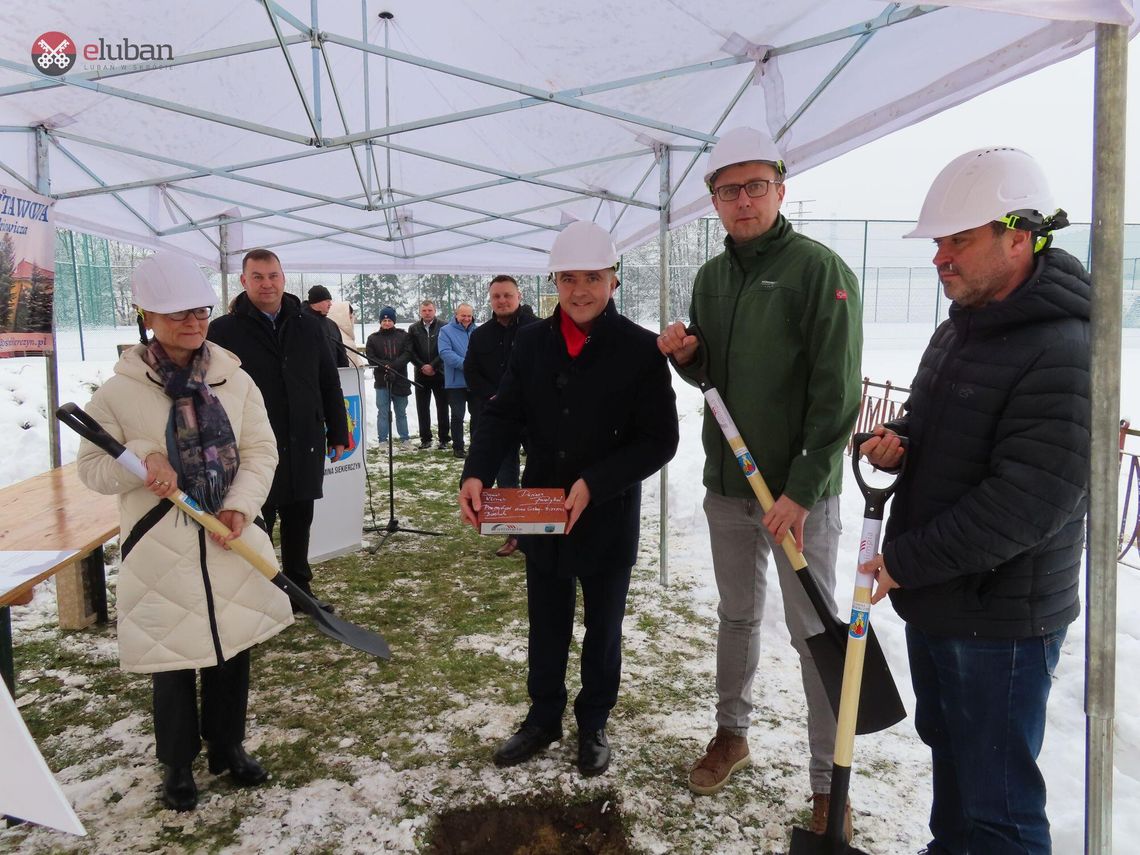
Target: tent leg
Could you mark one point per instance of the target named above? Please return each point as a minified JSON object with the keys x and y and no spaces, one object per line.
{"x":1107,"y":253}
{"x":663,"y":263}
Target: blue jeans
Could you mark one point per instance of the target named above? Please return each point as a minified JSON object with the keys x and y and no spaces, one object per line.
{"x":400,"y":402}
{"x":980,"y":706}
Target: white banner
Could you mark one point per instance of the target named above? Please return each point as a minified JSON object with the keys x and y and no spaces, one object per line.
{"x":338,"y":517}
{"x":28,"y":790}
{"x":27,"y":273}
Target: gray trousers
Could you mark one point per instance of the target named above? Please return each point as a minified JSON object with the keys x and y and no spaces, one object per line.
{"x":740,"y":549}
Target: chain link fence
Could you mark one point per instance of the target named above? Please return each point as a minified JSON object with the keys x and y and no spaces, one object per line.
{"x":899,"y":285}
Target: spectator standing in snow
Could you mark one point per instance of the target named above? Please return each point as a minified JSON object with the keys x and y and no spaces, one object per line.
{"x":982,"y":550}
{"x":283,"y":350}
{"x":186,"y":603}
{"x":318,"y":305}
{"x":782,"y":322}
{"x":429,"y":376}
{"x":488,"y":353}
{"x":453,"y":341}
{"x":390,"y":349}
{"x":595,"y":399}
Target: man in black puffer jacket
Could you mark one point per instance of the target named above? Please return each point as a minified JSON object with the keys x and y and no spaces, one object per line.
{"x":983,"y":546}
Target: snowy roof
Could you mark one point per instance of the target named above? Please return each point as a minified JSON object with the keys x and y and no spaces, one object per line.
{"x":458,"y":135}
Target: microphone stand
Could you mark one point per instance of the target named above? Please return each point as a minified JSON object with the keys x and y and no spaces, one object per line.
{"x":393,"y":524}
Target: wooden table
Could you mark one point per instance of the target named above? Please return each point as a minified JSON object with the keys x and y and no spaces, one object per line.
{"x":53,"y":511}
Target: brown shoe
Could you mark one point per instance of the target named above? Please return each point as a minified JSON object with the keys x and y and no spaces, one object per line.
{"x":508,"y":549}
{"x":725,"y":754}
{"x":820,"y":803}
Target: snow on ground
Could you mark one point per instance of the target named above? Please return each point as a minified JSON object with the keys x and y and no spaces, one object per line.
{"x":891,"y":352}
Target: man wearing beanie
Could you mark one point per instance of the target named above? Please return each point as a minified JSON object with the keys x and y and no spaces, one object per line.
{"x":389,"y":350}
{"x":318,"y":306}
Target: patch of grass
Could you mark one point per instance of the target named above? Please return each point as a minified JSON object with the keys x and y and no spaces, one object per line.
{"x":455,"y":617}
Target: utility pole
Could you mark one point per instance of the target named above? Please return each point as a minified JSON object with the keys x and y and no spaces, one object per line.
{"x":797,"y":215}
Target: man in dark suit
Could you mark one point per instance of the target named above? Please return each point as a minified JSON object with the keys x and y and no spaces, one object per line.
{"x":594,"y":396}
{"x":285,"y":350}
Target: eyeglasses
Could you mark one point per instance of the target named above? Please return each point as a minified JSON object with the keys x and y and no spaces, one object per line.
{"x":201,"y":313}
{"x":754,"y":189}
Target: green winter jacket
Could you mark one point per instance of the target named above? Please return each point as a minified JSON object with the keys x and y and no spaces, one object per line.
{"x":782,"y":320}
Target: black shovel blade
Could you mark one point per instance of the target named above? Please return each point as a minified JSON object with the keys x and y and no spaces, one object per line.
{"x":332,"y":625}
{"x":879,"y":703}
{"x":805,"y":842}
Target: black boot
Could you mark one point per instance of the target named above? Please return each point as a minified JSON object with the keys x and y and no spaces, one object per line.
{"x":593,"y":752}
{"x":245,"y":771}
{"x":529,"y":740}
{"x":179,"y":792}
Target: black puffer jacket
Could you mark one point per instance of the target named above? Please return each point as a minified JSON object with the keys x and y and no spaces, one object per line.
{"x":293,"y":367}
{"x":985,"y":532}
{"x":392,"y":349}
{"x":489,"y":351}
{"x":608,"y":416}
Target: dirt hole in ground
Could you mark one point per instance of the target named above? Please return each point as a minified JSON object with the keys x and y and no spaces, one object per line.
{"x":589,"y":828}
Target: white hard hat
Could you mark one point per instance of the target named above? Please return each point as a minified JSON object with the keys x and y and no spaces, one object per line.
{"x":742,"y":145}
{"x":980,"y":187}
{"x":582,"y":245}
{"x":168,"y":282}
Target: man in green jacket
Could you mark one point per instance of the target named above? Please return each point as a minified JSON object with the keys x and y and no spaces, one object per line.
{"x":781,"y":323}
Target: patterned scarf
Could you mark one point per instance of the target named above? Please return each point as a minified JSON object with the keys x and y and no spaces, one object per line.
{"x":199,"y":439}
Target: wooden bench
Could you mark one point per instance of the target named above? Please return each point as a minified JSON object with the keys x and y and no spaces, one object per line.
{"x":54,"y":513}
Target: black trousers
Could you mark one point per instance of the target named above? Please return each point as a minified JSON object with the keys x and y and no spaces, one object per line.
{"x":458,"y":401}
{"x":296,"y":520}
{"x":508,"y":474}
{"x":432,"y":388}
{"x":550,"y":609}
{"x":178,"y":731}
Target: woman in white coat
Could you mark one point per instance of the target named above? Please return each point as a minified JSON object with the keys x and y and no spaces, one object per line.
{"x":185,"y":600}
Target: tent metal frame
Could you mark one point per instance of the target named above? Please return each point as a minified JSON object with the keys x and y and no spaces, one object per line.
{"x":386,"y":199}
{"x":1108,"y":206}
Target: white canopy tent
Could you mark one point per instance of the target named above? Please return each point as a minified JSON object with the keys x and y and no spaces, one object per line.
{"x":460,"y":136}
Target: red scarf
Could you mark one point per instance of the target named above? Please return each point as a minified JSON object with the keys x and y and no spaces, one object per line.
{"x":574,"y":337}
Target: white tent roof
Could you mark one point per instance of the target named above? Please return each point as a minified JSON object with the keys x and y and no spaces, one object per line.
{"x":483,"y":127}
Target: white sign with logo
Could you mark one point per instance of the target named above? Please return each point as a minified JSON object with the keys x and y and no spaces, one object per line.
{"x":338,"y":517}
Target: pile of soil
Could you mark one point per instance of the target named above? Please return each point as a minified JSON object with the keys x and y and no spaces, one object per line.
{"x":589,"y":828}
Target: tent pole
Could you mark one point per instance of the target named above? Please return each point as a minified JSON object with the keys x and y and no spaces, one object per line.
{"x":315,"y":53}
{"x":663,"y":319}
{"x":43,"y":187}
{"x":1107,"y":268}
{"x":224,"y":262}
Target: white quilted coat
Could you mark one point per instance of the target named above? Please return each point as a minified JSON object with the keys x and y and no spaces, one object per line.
{"x":168,"y":605}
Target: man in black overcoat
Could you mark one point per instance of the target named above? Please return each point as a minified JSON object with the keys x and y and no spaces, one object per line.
{"x":594,"y":395}
{"x":285,"y":351}
{"x":488,"y":354}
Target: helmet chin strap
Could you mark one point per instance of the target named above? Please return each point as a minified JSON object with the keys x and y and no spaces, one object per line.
{"x":1042,"y":227}
{"x":142,"y":325}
